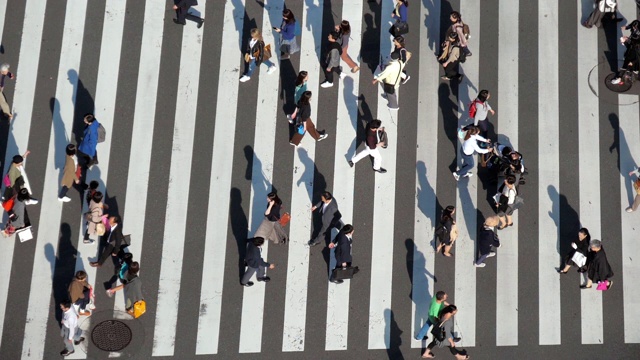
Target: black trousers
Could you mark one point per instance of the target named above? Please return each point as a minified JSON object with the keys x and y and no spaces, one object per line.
{"x":451,"y":71}
{"x":328,"y":75}
{"x":182,"y":14}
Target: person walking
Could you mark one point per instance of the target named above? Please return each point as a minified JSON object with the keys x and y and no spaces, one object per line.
{"x":401,"y":16}
{"x":17,"y":179}
{"x":599,"y":270}
{"x":255,"y":263}
{"x":18,"y":213}
{"x":80,"y":292}
{"x":182,"y":12}
{"x":577,"y":256}
{"x":636,"y":187}
{"x":4,"y":105}
{"x":301,"y":87}
{"x":487,"y":239}
{"x":132,"y":286}
{"x":287,"y":31}
{"x":87,"y":149}
{"x":438,"y":303}
{"x":69,"y":329}
{"x":112,"y":245}
{"x":344,"y":29}
{"x":450,"y":58}
{"x":403,"y":57}
{"x":270,"y":228}
{"x":332,"y":60}
{"x":373,"y":142}
{"x":330,"y":217}
{"x":390,"y":79}
{"x":444,"y":335}
{"x":70,"y":174}
{"x":95,"y":224}
{"x":342,"y":246}
{"x":461,"y":30}
{"x":469,"y":148}
{"x":480,"y":108}
{"x":507,"y":201}
{"x":447,"y":231}
{"x":303,"y":123}
{"x":255,"y":55}
{"x":603,"y":8}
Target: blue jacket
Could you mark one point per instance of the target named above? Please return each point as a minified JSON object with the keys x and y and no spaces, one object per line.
{"x":403,"y":13}
{"x":288,"y":31}
{"x":90,"y":139}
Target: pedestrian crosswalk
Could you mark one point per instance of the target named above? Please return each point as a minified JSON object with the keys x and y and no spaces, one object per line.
{"x":190,"y":165}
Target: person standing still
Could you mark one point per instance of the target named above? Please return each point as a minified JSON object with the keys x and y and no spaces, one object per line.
{"x":371,"y":148}
{"x":344,"y":29}
{"x":182,"y":12}
{"x":342,"y":246}
{"x":332,"y":60}
{"x":69,"y":329}
{"x":288,"y":43}
{"x":4,"y":73}
{"x":390,"y":79}
{"x":255,"y":262}
{"x":438,"y":302}
{"x":330,"y":216}
{"x":87,"y":150}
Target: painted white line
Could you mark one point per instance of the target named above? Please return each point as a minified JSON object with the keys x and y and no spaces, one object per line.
{"x":426,"y":173}
{"x":50,"y":208}
{"x":3,"y":12}
{"x":295,"y":311}
{"x":548,"y":176}
{"x":589,"y":185}
{"x":507,"y":259}
{"x":261,"y":181}
{"x":221,"y":163}
{"x":178,"y":194}
{"x":383,"y":213}
{"x":467,"y":200}
{"x":18,"y":139}
{"x":337,"y":331}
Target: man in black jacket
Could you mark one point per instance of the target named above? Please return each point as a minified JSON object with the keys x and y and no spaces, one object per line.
{"x":330,"y":216}
{"x":182,"y":7}
{"x":332,"y":61}
{"x":255,"y":262}
{"x":342,"y":245}
{"x":114,"y":240}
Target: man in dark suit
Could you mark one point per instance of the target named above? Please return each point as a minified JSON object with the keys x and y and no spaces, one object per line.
{"x":112,"y":247}
{"x":330,"y":217}
{"x":342,"y":245}
{"x":255,"y":262}
{"x":182,"y":12}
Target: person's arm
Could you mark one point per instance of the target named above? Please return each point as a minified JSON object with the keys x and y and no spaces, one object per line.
{"x":117,"y":288}
{"x":404,"y":13}
{"x":119,"y":238}
{"x":635,"y":172}
{"x":288,"y":30}
{"x":268,"y":211}
{"x":461,"y":36}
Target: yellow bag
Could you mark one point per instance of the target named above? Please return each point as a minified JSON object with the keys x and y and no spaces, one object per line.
{"x":139,"y":308}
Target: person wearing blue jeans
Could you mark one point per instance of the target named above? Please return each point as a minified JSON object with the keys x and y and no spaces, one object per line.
{"x":437,"y":303}
{"x":469,"y":148}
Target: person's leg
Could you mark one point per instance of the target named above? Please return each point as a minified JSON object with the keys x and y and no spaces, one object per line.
{"x":482,"y":258}
{"x":68,"y":345}
{"x":181,"y":16}
{"x":247,"y":275}
{"x":483,"y":125}
{"x":78,"y":334}
{"x":261,"y":272}
{"x":337,"y":70}
{"x":252,"y":67}
{"x":328,"y":75}
{"x":105,"y":254}
{"x":509,"y":220}
{"x":427,"y":351}
{"x":362,"y":154}
{"x":311,"y":129}
{"x":467,"y":164}
{"x":194,"y":18}
{"x":423,"y":331}
{"x":636,"y":203}
{"x":589,"y":282}
{"x":297,"y":137}
{"x":377,"y":158}
{"x":279,"y":231}
{"x":501,"y":221}
{"x":447,"y":250}
{"x":63,"y":192}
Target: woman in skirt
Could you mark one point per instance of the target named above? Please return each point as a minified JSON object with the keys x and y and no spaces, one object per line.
{"x":580,"y":246}
{"x":270,"y":229}
{"x":287,"y":30}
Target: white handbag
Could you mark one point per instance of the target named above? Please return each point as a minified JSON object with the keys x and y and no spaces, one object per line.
{"x":579,"y":259}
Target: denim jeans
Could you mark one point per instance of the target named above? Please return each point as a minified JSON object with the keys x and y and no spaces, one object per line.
{"x":424,"y":330}
{"x":467,"y":161}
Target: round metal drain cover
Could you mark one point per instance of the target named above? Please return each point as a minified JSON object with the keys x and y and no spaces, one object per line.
{"x":111,"y":335}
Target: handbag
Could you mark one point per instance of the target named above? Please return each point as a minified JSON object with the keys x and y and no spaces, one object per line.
{"x":438,"y":332}
{"x":100,"y":229}
{"x":247,"y":58}
{"x":25,"y":234}
{"x":267,"y":53}
{"x":139,"y":308}
{"x":389,"y":88}
{"x":8,"y":204}
{"x":602,"y":286}
{"x":400,"y":28}
{"x":341,"y":273}
{"x":579,"y":259}
{"x":300,"y":129}
{"x":284,"y":219}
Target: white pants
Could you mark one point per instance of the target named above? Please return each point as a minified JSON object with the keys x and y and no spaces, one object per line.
{"x":375,"y":153}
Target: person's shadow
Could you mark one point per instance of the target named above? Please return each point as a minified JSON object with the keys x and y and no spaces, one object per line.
{"x":239,"y":227}
{"x":370,"y":51}
{"x":570,"y":221}
{"x":416,"y":258}
{"x":621,"y":145}
{"x":317,"y":182}
{"x":426,"y":194}
{"x":395,"y":338}
{"x":432,"y":33}
{"x":62,"y":269}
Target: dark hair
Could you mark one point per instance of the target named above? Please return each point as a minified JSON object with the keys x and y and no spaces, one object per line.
{"x":374,"y":124}
{"x":300,"y":79}
{"x":506,"y":151}
{"x":71,"y":149}
{"x":347,"y":229}
{"x":273,"y":196}
{"x":257,"y":241}
{"x":127,"y":258}
{"x":447,"y":213}
{"x":483,"y":95}
{"x":97,"y":197}
{"x":134,"y":267}
{"x":345,"y":28}
{"x":89,"y":117}
{"x":65,"y":303}
{"x":93,"y":184}
{"x":327,"y":195}
{"x":511,"y":179}
{"x":440,"y":295}
{"x":288,"y":15}
{"x":405,"y":2}
{"x":453,"y":35}
{"x":517,"y":166}
{"x":585,"y":232}
{"x":116,"y":219}
{"x":446,"y":310}
{"x":400,"y":40}
{"x":395,"y":55}
{"x":304,"y":98}
{"x":335,"y":35}
{"x":456,"y":16}
{"x":23,"y":195}
{"x":81,"y":275}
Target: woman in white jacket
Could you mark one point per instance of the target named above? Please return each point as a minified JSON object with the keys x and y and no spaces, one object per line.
{"x":469,"y":147}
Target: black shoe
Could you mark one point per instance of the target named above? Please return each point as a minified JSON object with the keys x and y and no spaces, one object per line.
{"x":249,"y":284}
{"x":381,"y":170}
{"x":200,"y":23}
{"x":355,"y":270}
{"x":265,"y":279}
{"x":175,"y":21}
{"x":77,"y":342}
{"x":350,"y":163}
{"x":337,"y":281}
{"x":457,"y":339}
{"x":313,"y":243}
{"x":66,"y":352}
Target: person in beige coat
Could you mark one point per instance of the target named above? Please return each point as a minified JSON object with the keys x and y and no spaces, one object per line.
{"x":94,"y":216}
{"x":80,"y":293}
{"x":390,"y":79}
{"x":70,"y":174}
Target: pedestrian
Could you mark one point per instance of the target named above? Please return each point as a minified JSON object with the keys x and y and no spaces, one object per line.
{"x":478,"y":111}
{"x":450,"y":58}
{"x":270,"y":228}
{"x":18,"y":213}
{"x":373,"y":142}
{"x":69,"y":329}
{"x":469,"y":147}
{"x":80,"y":292}
{"x":112,"y":244}
{"x":17,"y":179}
{"x":257,"y":53}
{"x":603,"y":7}
{"x":132,"y":286}
{"x":332,"y":60}
{"x":487,"y":239}
{"x":634,"y":26}
{"x":577,"y":256}
{"x":303,"y":123}
{"x":344,"y":29}
{"x":444,"y":335}
{"x":301,"y":87}
{"x":287,"y":30}
{"x":401,"y":17}
{"x":599,"y":270}
{"x":330,"y":217}
{"x":404,"y":56}
{"x":95,"y":223}
{"x":447,"y":231}
{"x":255,"y":263}
{"x":630,"y":64}
{"x":182,"y":12}
{"x":70,"y":174}
{"x":92,"y":189}
{"x":636,"y":187}
{"x":461,"y":30}
{"x":4,"y":105}
{"x":342,"y":246}
{"x":507,"y":201}
{"x":87,"y":153}
{"x":390,"y":79}
{"x":125,"y":263}
{"x":438,"y":303}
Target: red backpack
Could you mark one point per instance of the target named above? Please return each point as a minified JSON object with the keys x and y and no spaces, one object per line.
{"x":473,"y":108}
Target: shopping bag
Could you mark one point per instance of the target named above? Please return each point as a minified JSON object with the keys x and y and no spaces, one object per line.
{"x":284,"y":219}
{"x":602,"y":286}
{"x":25,"y":234}
{"x":139,"y":308}
{"x":579,"y":259}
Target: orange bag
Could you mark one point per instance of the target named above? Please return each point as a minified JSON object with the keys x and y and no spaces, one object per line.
{"x":8,"y":204}
{"x":284,"y":220}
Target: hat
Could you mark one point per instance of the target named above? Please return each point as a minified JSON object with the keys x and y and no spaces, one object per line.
{"x":18,"y":159}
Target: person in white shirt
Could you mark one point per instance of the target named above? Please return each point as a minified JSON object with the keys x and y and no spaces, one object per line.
{"x":69,"y":330}
{"x":482,"y":110}
{"x":390,"y":79}
{"x":507,"y":200}
{"x":469,"y":147}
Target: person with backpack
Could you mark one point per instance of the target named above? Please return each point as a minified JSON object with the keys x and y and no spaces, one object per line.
{"x":374,"y":140}
{"x":461,"y":30}
{"x":344,"y":29}
{"x":288,"y":42}
{"x":70,"y":174}
{"x":450,"y":58}
{"x":470,"y":147}
{"x":332,"y":60}
{"x":443,"y":334}
{"x":447,"y":231}
{"x":87,"y":150}
{"x":257,"y":53}
{"x":390,"y":79}
{"x":478,"y":111}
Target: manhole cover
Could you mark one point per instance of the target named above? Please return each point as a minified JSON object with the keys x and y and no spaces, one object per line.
{"x":619,"y":88}
{"x":111,"y":335}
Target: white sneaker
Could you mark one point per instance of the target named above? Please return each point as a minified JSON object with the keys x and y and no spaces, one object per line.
{"x":326,"y":84}
{"x":479,"y":265}
{"x":469,"y":174}
{"x":271,"y":70}
{"x":393,"y":109}
{"x":32,"y":202}
{"x":406,"y":80}
{"x":64,"y":199}
{"x":456,"y":176}
{"x":323,"y":136}
{"x":91,"y":306}
{"x":616,"y":81}
{"x":492,"y":254}
{"x":289,"y":119}
{"x":245,"y":78}
{"x":629,"y":210}
{"x":343,"y":75}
